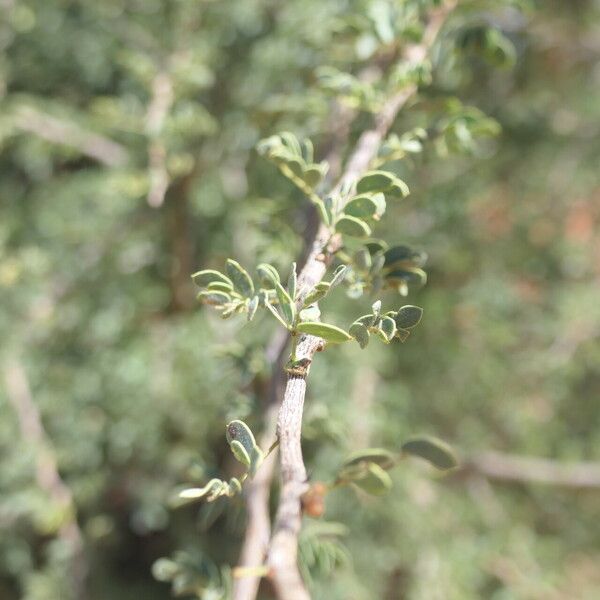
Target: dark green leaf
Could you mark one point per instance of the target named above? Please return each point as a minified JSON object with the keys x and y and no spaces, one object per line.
{"x":411,"y":275}
{"x":220,"y":286}
{"x":353,"y":227}
{"x":437,"y":452}
{"x":238,"y":431}
{"x":399,"y":188}
{"x":375,"y":481}
{"x":376,"y":246}
{"x":214,"y":297}
{"x":388,"y":327}
{"x":404,"y":256}
{"x":286,"y":304}
{"x":313,"y":174}
{"x":240,"y":452}
{"x":268,"y":274}
{"x":360,"y":333}
{"x":362,"y":207}
{"x":319,"y":291}
{"x":203,"y":278}
{"x":408,"y":316}
{"x":375,"y":181}
{"x":240,"y":277}
{"x":380,"y":456}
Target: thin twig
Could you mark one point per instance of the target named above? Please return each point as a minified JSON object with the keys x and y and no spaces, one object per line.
{"x":527,"y":469}
{"x":282,"y":558}
{"x":59,"y":131}
{"x":47,"y":475}
{"x":158,"y":110}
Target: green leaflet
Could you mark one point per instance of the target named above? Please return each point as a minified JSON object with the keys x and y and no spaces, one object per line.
{"x":360,"y":333}
{"x":220,"y":286}
{"x":242,"y":281}
{"x":330,"y":333}
{"x":238,"y":431}
{"x":408,"y":316}
{"x":388,"y":328}
{"x":268,"y":274}
{"x":352,"y":227}
{"x":213,"y":297}
{"x":286,"y":304}
{"x":380,"y":456}
{"x":404,"y":256}
{"x":375,"y":181}
{"x":375,"y":480}
{"x":204,"y":278}
{"x":240,"y":452}
{"x":361,"y":207}
{"x":435,"y":451}
{"x":319,"y":291}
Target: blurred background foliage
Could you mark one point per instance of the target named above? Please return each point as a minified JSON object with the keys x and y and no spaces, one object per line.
{"x":127,"y":134}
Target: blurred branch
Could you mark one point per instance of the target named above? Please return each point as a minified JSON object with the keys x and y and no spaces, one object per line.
{"x":258,"y":528}
{"x":283,"y":552}
{"x":363,"y":393}
{"x":59,"y":131}
{"x":158,"y":109}
{"x":526,"y":469}
{"x":47,"y":475}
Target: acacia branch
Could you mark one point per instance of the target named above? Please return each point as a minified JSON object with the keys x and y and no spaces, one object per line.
{"x":528,"y":469}
{"x":47,"y":476}
{"x":156,"y":115}
{"x":283,"y":552}
{"x":59,"y":131}
{"x":257,"y":491}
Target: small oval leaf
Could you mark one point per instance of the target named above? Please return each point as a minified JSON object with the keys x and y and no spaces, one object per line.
{"x":268,"y":274}
{"x":362,"y":207}
{"x":240,"y":452}
{"x":375,"y":181}
{"x":380,"y":456}
{"x":203,"y":278}
{"x":220,"y":286}
{"x":360,"y":333}
{"x":330,"y":333}
{"x":433,"y":450}
{"x":353,"y":227}
{"x":408,"y":316}
{"x":388,"y":327}
{"x":375,"y":481}
{"x":240,"y":277}
{"x":213,"y":297}
{"x":286,"y":304}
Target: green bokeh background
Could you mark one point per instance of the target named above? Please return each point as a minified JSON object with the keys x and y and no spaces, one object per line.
{"x":134,"y":382}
